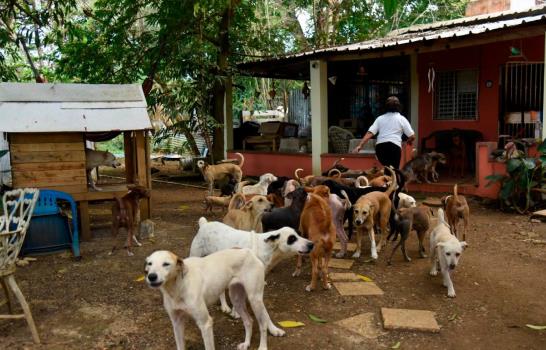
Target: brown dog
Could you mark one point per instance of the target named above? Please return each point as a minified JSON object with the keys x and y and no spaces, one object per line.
{"x":456,"y":208}
{"x":211,"y":201}
{"x":457,"y":156}
{"x":316,"y":225}
{"x":125,"y":211}
{"x":406,"y":220}
{"x":247,"y":215}
{"x":217,"y":172}
{"x":371,"y":209}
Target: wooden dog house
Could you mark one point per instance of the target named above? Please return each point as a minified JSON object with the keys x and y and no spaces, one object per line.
{"x":48,"y":126}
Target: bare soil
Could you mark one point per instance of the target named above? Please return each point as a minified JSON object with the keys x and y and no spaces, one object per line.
{"x":97,"y":303}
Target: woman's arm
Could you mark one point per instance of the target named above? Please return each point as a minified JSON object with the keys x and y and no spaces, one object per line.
{"x":362,"y":142}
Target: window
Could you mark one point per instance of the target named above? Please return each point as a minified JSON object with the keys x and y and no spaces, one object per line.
{"x":456,"y":95}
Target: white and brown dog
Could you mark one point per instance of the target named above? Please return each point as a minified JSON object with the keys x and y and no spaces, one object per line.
{"x":188,"y":286}
{"x":445,"y":251}
{"x":94,"y":159}
{"x":212,"y":173}
{"x":261,"y":186}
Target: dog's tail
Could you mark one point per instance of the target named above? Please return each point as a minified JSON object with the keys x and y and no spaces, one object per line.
{"x":455,"y":193}
{"x":202,"y":221}
{"x":392,"y":186}
{"x":241,"y":159}
{"x":297,"y":174}
{"x":237,"y":201}
{"x":360,"y":180}
{"x":441,"y":217}
{"x":346,"y":201}
{"x":334,"y":173}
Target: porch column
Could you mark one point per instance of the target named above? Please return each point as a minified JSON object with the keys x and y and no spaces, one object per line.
{"x":544,"y":93}
{"x":228,"y":117}
{"x":319,"y":112}
{"x":414,"y":97}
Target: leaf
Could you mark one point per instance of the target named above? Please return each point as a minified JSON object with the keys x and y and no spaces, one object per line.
{"x":140,"y":279}
{"x":513,"y":164}
{"x":529,"y":163}
{"x":369,"y":260}
{"x":396,"y":346}
{"x":535,"y":327}
{"x":316,"y":319}
{"x":183,"y":207}
{"x":452,"y":317}
{"x":365,"y":278}
{"x":291,"y":324}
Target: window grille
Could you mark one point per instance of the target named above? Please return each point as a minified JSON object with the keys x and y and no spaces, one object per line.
{"x":456,"y":95}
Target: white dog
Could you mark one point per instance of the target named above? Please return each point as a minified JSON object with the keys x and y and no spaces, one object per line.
{"x":270,"y":247}
{"x":406,"y":201}
{"x":445,"y":250}
{"x":261,"y":186}
{"x":95,"y":159}
{"x":189,"y":286}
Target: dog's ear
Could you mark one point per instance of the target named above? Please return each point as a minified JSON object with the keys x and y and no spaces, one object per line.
{"x":273,"y":238}
{"x":249,"y":205}
{"x":464,"y":245}
{"x":179,"y":263}
{"x":308,"y":189}
{"x":440,"y":244}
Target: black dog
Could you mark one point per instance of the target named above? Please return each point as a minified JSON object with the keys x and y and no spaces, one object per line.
{"x":286,"y":216}
{"x":229,"y":187}
{"x":277,"y":186}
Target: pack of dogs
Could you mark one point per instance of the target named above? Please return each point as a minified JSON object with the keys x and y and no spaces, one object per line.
{"x":279,"y":218}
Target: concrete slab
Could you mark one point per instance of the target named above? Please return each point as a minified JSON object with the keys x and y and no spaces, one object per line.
{"x":541,"y":214}
{"x":343,"y":276}
{"x":363,"y":325}
{"x":341,"y":263}
{"x":351,"y":247}
{"x":411,"y":320}
{"x":358,"y":288}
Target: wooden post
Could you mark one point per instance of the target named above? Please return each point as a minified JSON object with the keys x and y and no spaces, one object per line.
{"x":228,"y":117}
{"x":142,"y":170}
{"x":128,"y":146}
{"x":319,"y":113}
{"x":84,"y":220}
{"x":414,"y":97}
{"x":543,"y":121}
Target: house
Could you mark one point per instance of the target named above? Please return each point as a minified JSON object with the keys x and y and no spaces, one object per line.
{"x":482,"y":75}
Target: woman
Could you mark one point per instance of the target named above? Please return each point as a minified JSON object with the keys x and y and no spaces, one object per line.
{"x":389,"y":128}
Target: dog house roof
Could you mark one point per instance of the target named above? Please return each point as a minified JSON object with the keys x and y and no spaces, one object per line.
{"x":29,"y":107}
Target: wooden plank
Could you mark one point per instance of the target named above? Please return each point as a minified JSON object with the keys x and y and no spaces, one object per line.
{"x":29,"y":175}
{"x":24,"y":92}
{"x":128,"y":145}
{"x":98,"y":196}
{"x":43,"y":157}
{"x":47,"y":166}
{"x":46,"y":182}
{"x":142,"y":170}
{"x":85,"y":225}
{"x":71,"y":137}
{"x":46,"y":147}
{"x":71,"y":189}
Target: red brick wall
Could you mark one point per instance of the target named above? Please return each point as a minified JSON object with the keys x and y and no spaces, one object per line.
{"x":480,"y":7}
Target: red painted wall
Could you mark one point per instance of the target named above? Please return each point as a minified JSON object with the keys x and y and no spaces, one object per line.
{"x":280,"y":164}
{"x":487,"y":59}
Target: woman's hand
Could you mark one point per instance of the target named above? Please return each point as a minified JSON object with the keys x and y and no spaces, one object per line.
{"x":357,"y":149}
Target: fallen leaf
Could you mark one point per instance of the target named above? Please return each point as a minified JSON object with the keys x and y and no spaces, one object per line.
{"x":140,"y":279}
{"x":396,"y":346}
{"x":452,"y":317}
{"x":535,"y":327}
{"x":369,"y":260}
{"x":316,"y":319}
{"x":365,"y":278}
{"x":183,"y":207}
{"x":291,"y":324}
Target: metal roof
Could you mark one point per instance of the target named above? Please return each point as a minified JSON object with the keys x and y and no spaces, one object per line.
{"x":418,"y":34}
{"x":29,"y":107}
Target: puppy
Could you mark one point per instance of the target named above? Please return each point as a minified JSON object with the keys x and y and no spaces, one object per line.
{"x":212,"y":173}
{"x":286,"y":216}
{"x":445,"y":251}
{"x":456,"y":207}
{"x":188,"y":286}
{"x":261,"y":186}
{"x":369,"y":210}
{"x":247,"y":216}
{"x":270,"y":248}
{"x":406,"y":201}
{"x":125,"y":212}
{"x":406,"y":220}
{"x":316,"y":224}
{"x":211,"y":201}
{"x":95,"y":159}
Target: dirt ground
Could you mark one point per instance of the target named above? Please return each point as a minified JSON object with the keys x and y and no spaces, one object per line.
{"x":96,"y":303}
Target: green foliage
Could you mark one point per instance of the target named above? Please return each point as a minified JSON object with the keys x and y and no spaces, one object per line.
{"x":115,"y":145}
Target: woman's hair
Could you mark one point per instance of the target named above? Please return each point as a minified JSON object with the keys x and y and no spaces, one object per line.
{"x":393,"y":104}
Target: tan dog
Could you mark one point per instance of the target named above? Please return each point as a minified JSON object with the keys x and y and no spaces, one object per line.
{"x":316,"y":225}
{"x":222,"y":202}
{"x":371,"y":209}
{"x":216,"y":172}
{"x":247,"y":215}
{"x":95,"y":159}
{"x":456,"y":208}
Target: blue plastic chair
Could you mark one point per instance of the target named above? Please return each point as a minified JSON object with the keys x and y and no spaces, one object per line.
{"x":49,"y":229}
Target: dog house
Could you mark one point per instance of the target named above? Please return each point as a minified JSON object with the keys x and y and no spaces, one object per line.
{"x":48,"y":126}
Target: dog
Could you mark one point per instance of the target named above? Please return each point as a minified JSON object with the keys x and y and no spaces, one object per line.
{"x":211,"y":201}
{"x":271,"y":247}
{"x":421,"y":166}
{"x":312,"y":180}
{"x":339,"y":206}
{"x":188,"y":286}
{"x":406,"y":220}
{"x":243,"y":215}
{"x":95,"y":159}
{"x":286,"y":216}
{"x":456,"y":207}
{"x":316,"y":224}
{"x":229,"y":188}
{"x":217,"y":172}
{"x":289,"y":186}
{"x":261,"y":186}
{"x":373,"y":209}
{"x":445,"y":251}
{"x":457,"y":156}
{"x":406,"y":201}
{"x":125,"y":212}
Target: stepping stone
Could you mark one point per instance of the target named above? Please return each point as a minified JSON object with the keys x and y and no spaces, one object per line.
{"x":343,"y":276}
{"x":358,"y":288}
{"x":433,"y":202}
{"x":411,"y":320}
{"x":363,"y":325}
{"x":341,"y":263}
{"x":351,"y":247}
{"x":541,"y":214}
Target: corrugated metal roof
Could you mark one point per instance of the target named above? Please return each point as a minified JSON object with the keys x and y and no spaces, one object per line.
{"x":28,"y":107}
{"x":458,"y":28}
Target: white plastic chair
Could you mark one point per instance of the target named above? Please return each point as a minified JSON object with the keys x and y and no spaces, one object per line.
{"x":18,"y":206}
